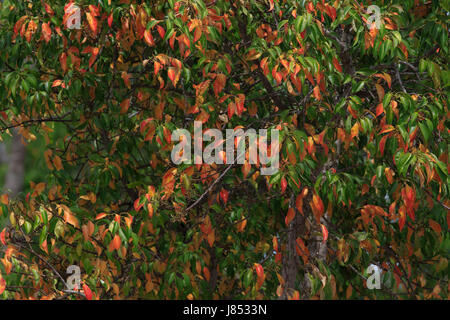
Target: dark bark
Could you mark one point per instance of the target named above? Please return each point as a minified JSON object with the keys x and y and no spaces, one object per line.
{"x":16,"y":166}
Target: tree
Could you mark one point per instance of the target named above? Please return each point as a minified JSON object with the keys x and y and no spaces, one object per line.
{"x":362,"y":116}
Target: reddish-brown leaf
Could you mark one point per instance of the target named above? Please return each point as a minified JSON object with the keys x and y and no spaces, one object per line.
{"x":290,"y":216}
{"x":46,"y":32}
{"x":337,"y":65}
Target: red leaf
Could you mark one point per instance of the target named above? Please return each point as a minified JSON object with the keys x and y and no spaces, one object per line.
{"x":380,"y":109}
{"x":94,"y":10}
{"x":259,"y":274}
{"x":110,"y":20}
{"x":224,"y":195}
{"x":337,"y":65}
{"x":382,"y":144}
{"x":161,"y":31}
{"x":87,"y":291}
{"x":137,"y":205}
{"x":48,"y":9}
{"x":283,"y":184}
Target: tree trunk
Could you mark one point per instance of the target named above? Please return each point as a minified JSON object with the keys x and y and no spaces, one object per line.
{"x":16,"y":166}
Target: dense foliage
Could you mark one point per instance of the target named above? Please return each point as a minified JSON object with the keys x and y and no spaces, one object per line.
{"x":363,"y":119}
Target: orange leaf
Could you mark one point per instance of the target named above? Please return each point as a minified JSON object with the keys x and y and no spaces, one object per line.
{"x":317,"y":206}
{"x":299,"y":203}
{"x":63,"y":61}
{"x":324,"y":232}
{"x":70,"y":218}
{"x":174,"y":75}
{"x":58,"y":163}
{"x":389,"y":173}
{"x":354,"y":132}
{"x":252,"y":55}
{"x":302,"y":250}
{"x":57,"y":83}
{"x":239,"y":101}
{"x":92,"y":22}
{"x":150,"y":210}
{"x":100,"y":216}
{"x":219,"y":83}
{"x":126,"y":78}
{"x":290,"y":216}
{"x":4,"y":199}
{"x":380,"y":109}
{"x":380,"y":91}
{"x":116,"y":242}
{"x":211,"y":238}
{"x":2,"y":237}
{"x":402,"y":219}
{"x":46,"y":31}
{"x":317,"y":93}
{"x":44,"y":246}
{"x":206,"y":273}
{"x":124,"y":106}
{"x":283,"y":184}
{"x":30,"y":30}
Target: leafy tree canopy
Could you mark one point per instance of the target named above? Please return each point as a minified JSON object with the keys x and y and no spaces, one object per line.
{"x":363,"y":119}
